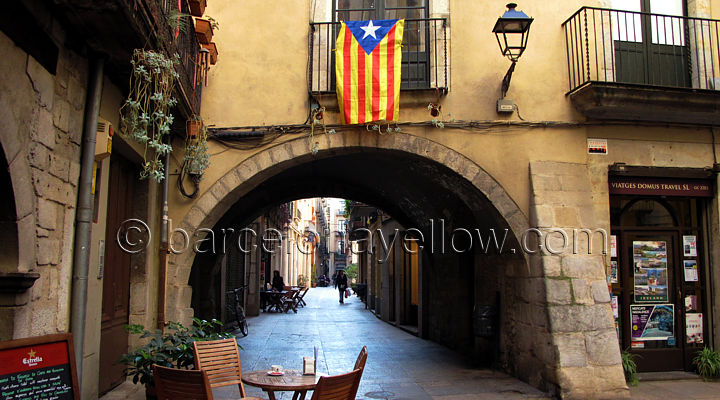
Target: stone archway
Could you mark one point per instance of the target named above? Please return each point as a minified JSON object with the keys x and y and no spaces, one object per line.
{"x":239,"y":180}
{"x":13,"y":146}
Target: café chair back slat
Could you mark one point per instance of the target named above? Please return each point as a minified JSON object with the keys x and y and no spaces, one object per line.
{"x":181,"y":384}
{"x":338,"y":387}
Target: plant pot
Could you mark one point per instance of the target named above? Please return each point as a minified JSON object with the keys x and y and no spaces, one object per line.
{"x":150,"y":392}
{"x":213,"y":52}
{"x":197,"y":7}
{"x":203,"y":31}
{"x":192,"y":128}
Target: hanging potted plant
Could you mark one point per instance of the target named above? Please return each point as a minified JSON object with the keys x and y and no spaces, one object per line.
{"x":145,"y":116}
{"x":197,"y":7}
{"x":193,"y":127}
{"x":204,"y":29}
{"x":196,"y":158}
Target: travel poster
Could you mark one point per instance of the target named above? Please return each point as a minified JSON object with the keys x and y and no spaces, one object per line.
{"x":691,"y":271}
{"x":690,"y":302}
{"x":650,"y":271}
{"x":689,"y":246}
{"x":652,"y":322}
{"x":694,"y":328}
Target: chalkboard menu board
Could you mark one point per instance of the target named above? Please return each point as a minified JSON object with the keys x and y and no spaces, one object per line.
{"x":38,"y":368}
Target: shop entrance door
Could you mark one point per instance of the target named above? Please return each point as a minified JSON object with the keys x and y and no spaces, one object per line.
{"x":650,"y":299}
{"x":658,"y":277}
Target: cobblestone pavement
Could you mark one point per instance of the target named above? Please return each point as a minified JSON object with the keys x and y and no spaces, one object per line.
{"x":399,"y":366}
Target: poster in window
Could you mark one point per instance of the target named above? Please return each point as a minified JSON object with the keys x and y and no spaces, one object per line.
{"x":689,"y":246}
{"x":650,"y":271}
{"x":694,"y":328}
{"x":690,"y":303}
{"x":613,"y":271}
{"x":691,"y":271}
{"x":613,"y":246}
{"x":652,"y":322}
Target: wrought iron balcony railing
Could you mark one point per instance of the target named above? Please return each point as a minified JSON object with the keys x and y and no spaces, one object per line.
{"x":628,"y":47}
{"x":177,"y":29}
{"x":424,"y":56}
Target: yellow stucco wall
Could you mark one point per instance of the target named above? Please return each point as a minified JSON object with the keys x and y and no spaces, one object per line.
{"x":261,"y":79}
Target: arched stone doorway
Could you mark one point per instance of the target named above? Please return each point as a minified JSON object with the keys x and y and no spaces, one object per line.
{"x":416,"y":180}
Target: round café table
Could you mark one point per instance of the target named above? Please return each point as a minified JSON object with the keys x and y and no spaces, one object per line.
{"x":291,"y":380}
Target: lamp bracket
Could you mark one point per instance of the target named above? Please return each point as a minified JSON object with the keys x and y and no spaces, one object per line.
{"x":506,"y":80}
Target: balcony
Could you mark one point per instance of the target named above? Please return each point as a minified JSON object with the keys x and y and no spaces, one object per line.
{"x":116,"y":27}
{"x":636,"y":66}
{"x":424,"y":62}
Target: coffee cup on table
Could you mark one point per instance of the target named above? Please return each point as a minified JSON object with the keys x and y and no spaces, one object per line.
{"x":276,"y":368}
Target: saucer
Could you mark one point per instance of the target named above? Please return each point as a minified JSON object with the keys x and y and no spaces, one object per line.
{"x":275,"y":373}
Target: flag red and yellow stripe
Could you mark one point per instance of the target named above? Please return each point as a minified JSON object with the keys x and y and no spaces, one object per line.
{"x":368,"y":85}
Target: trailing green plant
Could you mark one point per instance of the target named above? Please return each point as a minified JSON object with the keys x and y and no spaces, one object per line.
{"x":178,"y":20}
{"x":707,"y":362}
{"x":629,"y":367}
{"x":172,"y":348}
{"x":145,"y":116}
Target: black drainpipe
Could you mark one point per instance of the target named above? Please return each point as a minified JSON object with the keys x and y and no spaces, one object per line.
{"x":83,"y":216}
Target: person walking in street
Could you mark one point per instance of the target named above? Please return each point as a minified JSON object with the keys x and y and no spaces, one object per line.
{"x":334,"y":279}
{"x":342,"y":284}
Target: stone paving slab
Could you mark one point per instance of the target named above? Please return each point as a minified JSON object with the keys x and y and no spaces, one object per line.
{"x":400,"y":366}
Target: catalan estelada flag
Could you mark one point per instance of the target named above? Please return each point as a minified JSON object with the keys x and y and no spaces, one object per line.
{"x":368,"y":60}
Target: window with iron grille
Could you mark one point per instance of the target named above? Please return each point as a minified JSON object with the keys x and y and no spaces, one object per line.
{"x":425,"y":43}
{"x":416,"y":54}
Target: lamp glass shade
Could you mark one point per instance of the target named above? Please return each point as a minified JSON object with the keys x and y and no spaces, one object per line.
{"x":512,"y":31}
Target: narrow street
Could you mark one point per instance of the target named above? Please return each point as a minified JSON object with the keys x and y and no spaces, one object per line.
{"x":399,"y":366}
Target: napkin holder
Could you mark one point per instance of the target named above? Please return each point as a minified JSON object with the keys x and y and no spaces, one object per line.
{"x":308,"y":365}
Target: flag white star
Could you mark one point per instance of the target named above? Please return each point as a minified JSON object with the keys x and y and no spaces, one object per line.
{"x":370,"y":30}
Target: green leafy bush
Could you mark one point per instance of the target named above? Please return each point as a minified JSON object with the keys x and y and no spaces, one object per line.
{"x":629,"y":367}
{"x":172,"y":348}
{"x":707,"y":362}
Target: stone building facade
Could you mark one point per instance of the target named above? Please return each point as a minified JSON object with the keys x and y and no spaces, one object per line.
{"x":531,"y":180}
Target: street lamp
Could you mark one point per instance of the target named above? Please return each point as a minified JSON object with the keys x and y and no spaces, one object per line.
{"x":511,"y":31}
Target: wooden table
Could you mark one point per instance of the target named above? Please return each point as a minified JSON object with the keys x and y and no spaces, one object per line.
{"x":273,"y":300}
{"x":292,"y":380}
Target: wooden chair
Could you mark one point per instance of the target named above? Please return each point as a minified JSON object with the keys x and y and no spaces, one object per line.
{"x":338,"y":387}
{"x":220,"y":359}
{"x":181,"y":384}
{"x":301,"y":302}
{"x":291,"y":301}
{"x":361,"y":359}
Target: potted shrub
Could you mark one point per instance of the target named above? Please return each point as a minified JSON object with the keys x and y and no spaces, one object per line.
{"x":172,"y":348}
{"x":707,"y":362}
{"x":629,"y":367}
{"x":197,"y":7}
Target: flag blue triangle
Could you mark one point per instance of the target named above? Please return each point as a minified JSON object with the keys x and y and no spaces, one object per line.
{"x":380,"y":28}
